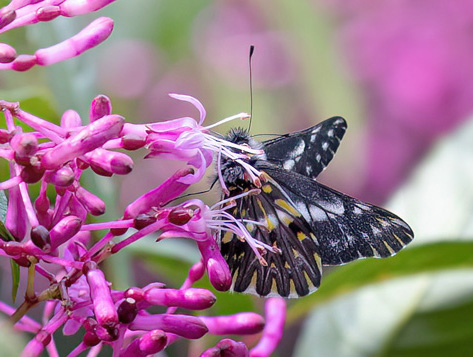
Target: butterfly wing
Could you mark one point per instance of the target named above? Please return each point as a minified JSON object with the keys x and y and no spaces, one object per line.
{"x":308,"y":151}
{"x":296,"y":271}
{"x":344,"y":227}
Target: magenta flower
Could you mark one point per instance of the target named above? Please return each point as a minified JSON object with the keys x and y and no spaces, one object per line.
{"x":53,"y":240}
{"x":28,"y":12}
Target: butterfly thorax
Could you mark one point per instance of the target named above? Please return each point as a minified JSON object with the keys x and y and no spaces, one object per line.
{"x":233,"y":173}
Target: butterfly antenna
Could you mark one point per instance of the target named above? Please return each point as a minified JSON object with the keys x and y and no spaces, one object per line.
{"x":252,"y":50}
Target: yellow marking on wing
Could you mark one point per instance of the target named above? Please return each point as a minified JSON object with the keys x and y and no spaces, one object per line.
{"x":301,"y":236}
{"x":292,"y":288}
{"x":269,"y":224}
{"x":383,"y":222}
{"x":243,"y":212}
{"x":286,"y":206}
{"x":307,"y":279}
{"x":318,"y":260}
{"x":399,"y":240}
{"x":286,"y":265}
{"x":391,"y":250}
{"x":227,"y":237}
{"x":267,"y":189}
{"x":312,"y":235}
{"x":260,"y":205}
{"x":295,"y":253}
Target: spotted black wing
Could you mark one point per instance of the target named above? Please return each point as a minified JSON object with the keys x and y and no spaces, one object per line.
{"x":344,"y":227}
{"x":309,"y":151}
{"x":296,"y":271}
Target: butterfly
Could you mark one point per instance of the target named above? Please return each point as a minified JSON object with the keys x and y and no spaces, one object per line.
{"x":307,"y":224}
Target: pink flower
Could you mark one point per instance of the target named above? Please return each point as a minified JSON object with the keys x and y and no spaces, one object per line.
{"x":23,"y":13}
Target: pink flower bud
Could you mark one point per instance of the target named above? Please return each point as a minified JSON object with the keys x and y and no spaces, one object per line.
{"x":150,"y":343}
{"x":16,"y":219}
{"x":70,"y":119}
{"x":143,"y":220}
{"x":5,"y":136}
{"x":217,"y":268}
{"x":7,"y":53}
{"x":61,"y":177}
{"x":94,"y":34}
{"x":244,"y":323}
{"x":100,"y":107}
{"x":91,"y":137}
{"x":183,"y":325}
{"x":42,"y":203}
{"x":133,"y":141}
{"x":23,"y":63}
{"x":192,"y":299}
{"x":127,"y":311}
{"x":48,"y":13}
{"x":94,"y":205}
{"x":275,"y":311}
{"x":64,"y":230}
{"x":227,"y":348}
{"x":32,"y":173}
{"x":74,"y":8}
{"x":159,"y":196}
{"x":24,"y":144}
{"x":104,"y":308}
{"x":111,"y":161}
{"x":7,"y":17}
{"x":41,"y":238}
{"x":36,"y":346}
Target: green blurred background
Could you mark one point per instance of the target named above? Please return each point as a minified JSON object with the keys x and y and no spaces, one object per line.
{"x":400,"y":72}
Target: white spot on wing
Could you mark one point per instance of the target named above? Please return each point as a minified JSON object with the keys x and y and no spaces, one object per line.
{"x":312,"y":138}
{"x":318,"y":157}
{"x":289,"y":164}
{"x":299,"y":149}
{"x":333,"y":207}
{"x":376,"y":231}
{"x":302,"y":208}
{"x":357,"y":210}
{"x":317,"y":214}
{"x":330,"y":132}
{"x":325,"y":146}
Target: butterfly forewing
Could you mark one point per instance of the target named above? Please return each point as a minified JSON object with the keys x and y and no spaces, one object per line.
{"x":296,"y":271}
{"x":345,"y":228}
{"x":309,"y":151}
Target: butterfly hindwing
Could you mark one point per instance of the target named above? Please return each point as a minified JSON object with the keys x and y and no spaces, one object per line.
{"x":309,"y":151}
{"x":345,"y":228}
{"x":296,"y":271}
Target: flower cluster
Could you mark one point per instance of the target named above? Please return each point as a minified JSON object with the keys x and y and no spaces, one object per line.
{"x":27,"y":12}
{"x":53,"y":241}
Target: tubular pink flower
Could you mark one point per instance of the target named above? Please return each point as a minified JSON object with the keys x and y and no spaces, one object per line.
{"x":91,"y":137}
{"x":227,"y":348}
{"x":16,"y":219}
{"x":94,"y":205}
{"x":217,"y":268}
{"x":7,"y":53}
{"x":192,"y":298}
{"x":92,"y":35}
{"x":275,"y":313}
{"x":100,"y":107}
{"x":110,"y":161}
{"x":158,"y":197}
{"x":61,"y":177}
{"x":64,"y":230}
{"x":182,"y":325}
{"x":243,"y":323}
{"x":70,"y":119}
{"x":150,"y":343}
{"x":104,"y":308}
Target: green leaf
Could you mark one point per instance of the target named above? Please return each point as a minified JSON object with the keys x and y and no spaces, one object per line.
{"x":3,"y":206}
{"x":422,"y":259}
{"x":414,"y":316}
{"x":15,"y":277}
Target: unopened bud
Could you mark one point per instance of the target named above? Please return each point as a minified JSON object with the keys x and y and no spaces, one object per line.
{"x":40,"y":237}
{"x":127,"y":311}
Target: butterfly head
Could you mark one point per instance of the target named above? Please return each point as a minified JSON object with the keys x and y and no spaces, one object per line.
{"x":235,"y":170}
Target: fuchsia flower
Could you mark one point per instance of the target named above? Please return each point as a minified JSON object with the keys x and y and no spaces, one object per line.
{"x":41,"y":236}
{"x":27,"y":12}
